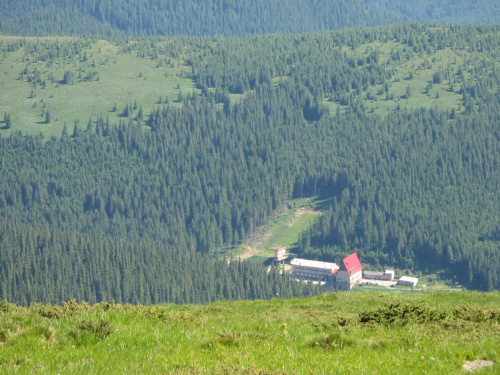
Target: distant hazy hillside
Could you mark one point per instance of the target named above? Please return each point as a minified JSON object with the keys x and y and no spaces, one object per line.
{"x":227,"y":17}
{"x":187,"y":17}
{"x":442,"y":11}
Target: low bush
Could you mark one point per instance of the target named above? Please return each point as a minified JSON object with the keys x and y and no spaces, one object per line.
{"x":402,"y":314}
{"x":91,"y":331}
{"x":477,"y":314}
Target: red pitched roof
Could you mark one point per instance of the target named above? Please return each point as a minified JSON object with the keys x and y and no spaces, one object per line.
{"x":351,"y":264}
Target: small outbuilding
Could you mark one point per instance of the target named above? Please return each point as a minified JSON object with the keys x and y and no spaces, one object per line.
{"x":373,"y":275}
{"x":280,"y":255}
{"x":408,"y":281}
{"x":388,"y":275}
{"x":377,"y":275}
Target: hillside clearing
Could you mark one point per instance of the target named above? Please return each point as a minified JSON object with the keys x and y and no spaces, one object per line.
{"x":284,"y":230}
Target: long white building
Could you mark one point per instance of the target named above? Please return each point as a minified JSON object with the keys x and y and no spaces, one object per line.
{"x":313,"y":269}
{"x":408,"y":281}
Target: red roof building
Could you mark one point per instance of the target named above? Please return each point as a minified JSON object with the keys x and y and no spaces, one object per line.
{"x":351,"y":264}
{"x":349,"y":273}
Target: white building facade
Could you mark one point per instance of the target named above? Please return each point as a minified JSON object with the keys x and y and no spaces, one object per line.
{"x":408,"y":281}
{"x":313,"y":269}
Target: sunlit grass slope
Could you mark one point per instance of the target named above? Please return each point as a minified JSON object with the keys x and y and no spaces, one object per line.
{"x":108,"y":76}
{"x":370,"y":333}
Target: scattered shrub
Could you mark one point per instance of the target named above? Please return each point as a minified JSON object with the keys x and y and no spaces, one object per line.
{"x":477,"y":314}
{"x":226,"y":339}
{"x":5,"y":306}
{"x":47,"y":311}
{"x":72,"y":307}
{"x":334,"y":341}
{"x":3,"y":336}
{"x":402,"y":313}
{"x":91,"y":331}
{"x":67,"y":309}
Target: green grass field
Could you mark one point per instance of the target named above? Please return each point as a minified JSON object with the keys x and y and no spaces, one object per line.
{"x":367,"y":333}
{"x":123,"y":78}
{"x":413,"y":72}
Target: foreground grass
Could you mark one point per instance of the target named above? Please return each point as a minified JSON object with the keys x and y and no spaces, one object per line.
{"x":369,"y":333}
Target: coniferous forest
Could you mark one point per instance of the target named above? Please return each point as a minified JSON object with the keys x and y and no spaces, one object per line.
{"x":138,"y":208}
{"x":121,"y":18}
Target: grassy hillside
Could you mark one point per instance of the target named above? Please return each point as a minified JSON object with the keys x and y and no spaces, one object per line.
{"x":411,"y":73}
{"x":371,"y":333}
{"x":106,"y":76}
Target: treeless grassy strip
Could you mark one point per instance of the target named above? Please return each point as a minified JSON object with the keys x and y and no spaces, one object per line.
{"x":282,"y":230}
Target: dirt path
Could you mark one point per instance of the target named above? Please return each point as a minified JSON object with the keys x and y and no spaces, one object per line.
{"x":301,"y":211}
{"x":256,"y":246}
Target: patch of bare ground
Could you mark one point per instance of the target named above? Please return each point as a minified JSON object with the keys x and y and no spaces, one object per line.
{"x":301,"y":211}
{"x":478,"y":364}
{"x":254,"y":247}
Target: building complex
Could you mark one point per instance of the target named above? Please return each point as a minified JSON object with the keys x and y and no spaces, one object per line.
{"x":343,"y":277}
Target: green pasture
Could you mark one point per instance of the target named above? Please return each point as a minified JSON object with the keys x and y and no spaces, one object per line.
{"x":412,"y":72}
{"x":125,"y":75}
{"x":366,"y":333}
{"x":123,"y":78}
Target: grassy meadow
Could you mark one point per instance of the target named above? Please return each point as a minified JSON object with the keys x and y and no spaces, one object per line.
{"x":107,"y":78}
{"x":108,"y":75}
{"x":411,"y":75}
{"x":368,"y":333}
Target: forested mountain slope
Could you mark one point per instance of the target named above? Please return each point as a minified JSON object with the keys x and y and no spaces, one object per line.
{"x":443,"y":11}
{"x":138,"y":208}
{"x":191,"y":17}
{"x":227,"y":17}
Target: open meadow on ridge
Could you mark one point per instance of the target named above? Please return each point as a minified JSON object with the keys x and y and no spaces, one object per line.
{"x":369,"y":333}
